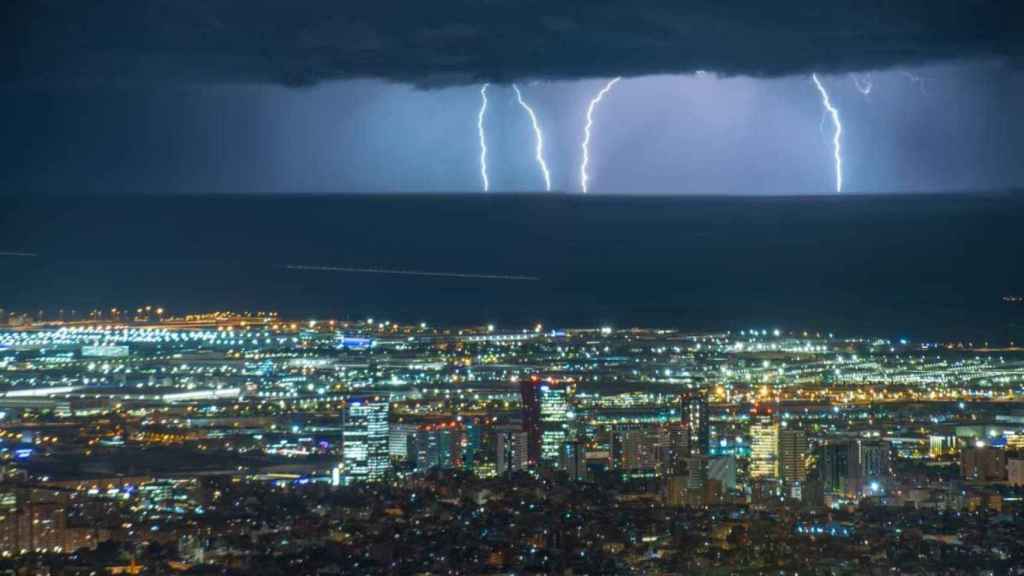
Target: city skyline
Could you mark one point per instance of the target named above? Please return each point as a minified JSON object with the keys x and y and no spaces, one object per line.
{"x":511,"y":287}
{"x":188,"y":423}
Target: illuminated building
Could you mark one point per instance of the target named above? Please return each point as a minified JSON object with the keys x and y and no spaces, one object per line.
{"x":438,"y":446}
{"x":660,"y":447}
{"x":365,"y":440}
{"x":941,"y":445}
{"x":35,"y":520}
{"x":694,"y":410}
{"x":398,"y":440}
{"x":164,"y":495}
{"x":874,"y":466}
{"x":792,"y":454}
{"x":764,"y":443}
{"x":512,"y":451}
{"x":723,"y":469}
{"x":552,"y":405}
{"x":856,"y":467}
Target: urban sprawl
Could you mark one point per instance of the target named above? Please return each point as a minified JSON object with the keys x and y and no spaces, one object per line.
{"x":140,"y":442}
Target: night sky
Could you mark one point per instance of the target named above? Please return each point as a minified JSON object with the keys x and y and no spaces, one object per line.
{"x":242,"y":97}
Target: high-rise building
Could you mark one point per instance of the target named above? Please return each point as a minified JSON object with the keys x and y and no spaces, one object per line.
{"x":697,"y":472}
{"x":438,"y":446}
{"x":853,"y":468}
{"x":365,"y":436}
{"x":574,"y":460}
{"x":398,"y":440}
{"x":35,"y":520}
{"x":764,"y":443}
{"x":547,"y":417}
{"x":874,"y":466}
{"x":696,"y":418}
{"x":723,"y":469}
{"x":473,"y":442}
{"x":529,"y":391}
{"x":792,"y":455}
{"x":982,"y":463}
{"x":674,"y":448}
{"x":834,"y":468}
{"x":512,"y":451}
{"x":640,"y":448}
{"x":556,"y":418}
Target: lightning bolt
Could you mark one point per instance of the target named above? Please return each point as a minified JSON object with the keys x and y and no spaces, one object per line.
{"x":483,"y":141}
{"x":862,"y":83}
{"x":539,"y":137}
{"x":837,"y":150}
{"x":586,"y":130}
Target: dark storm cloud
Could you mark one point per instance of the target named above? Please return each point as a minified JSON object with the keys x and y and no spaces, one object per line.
{"x":455,"y":41}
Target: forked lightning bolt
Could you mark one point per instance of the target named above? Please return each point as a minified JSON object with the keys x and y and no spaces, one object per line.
{"x":837,"y":134}
{"x":584,"y":177}
{"x":483,"y":141}
{"x":862,"y":83}
{"x":538,"y":135}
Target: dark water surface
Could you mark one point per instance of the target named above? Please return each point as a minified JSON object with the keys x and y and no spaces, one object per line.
{"x":917,"y":266}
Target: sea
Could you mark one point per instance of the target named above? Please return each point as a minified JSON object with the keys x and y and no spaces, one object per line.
{"x":916,"y":266}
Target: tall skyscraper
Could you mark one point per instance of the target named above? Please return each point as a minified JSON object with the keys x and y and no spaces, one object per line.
{"x":792,"y":455}
{"x":574,"y":460}
{"x":529,"y":391}
{"x":853,"y":468}
{"x":764,"y":443}
{"x":556,"y":418}
{"x":695,"y":414}
{"x":398,"y":440}
{"x":674,"y":448}
{"x":471,"y":445}
{"x":438,"y":446}
{"x":547,"y":417}
{"x":834,"y":466}
{"x":513,"y":449}
{"x":874,"y":466}
{"x":365,"y":440}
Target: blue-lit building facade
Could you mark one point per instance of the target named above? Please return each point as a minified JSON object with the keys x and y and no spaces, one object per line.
{"x":365,"y":436}
{"x":556,"y":419}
